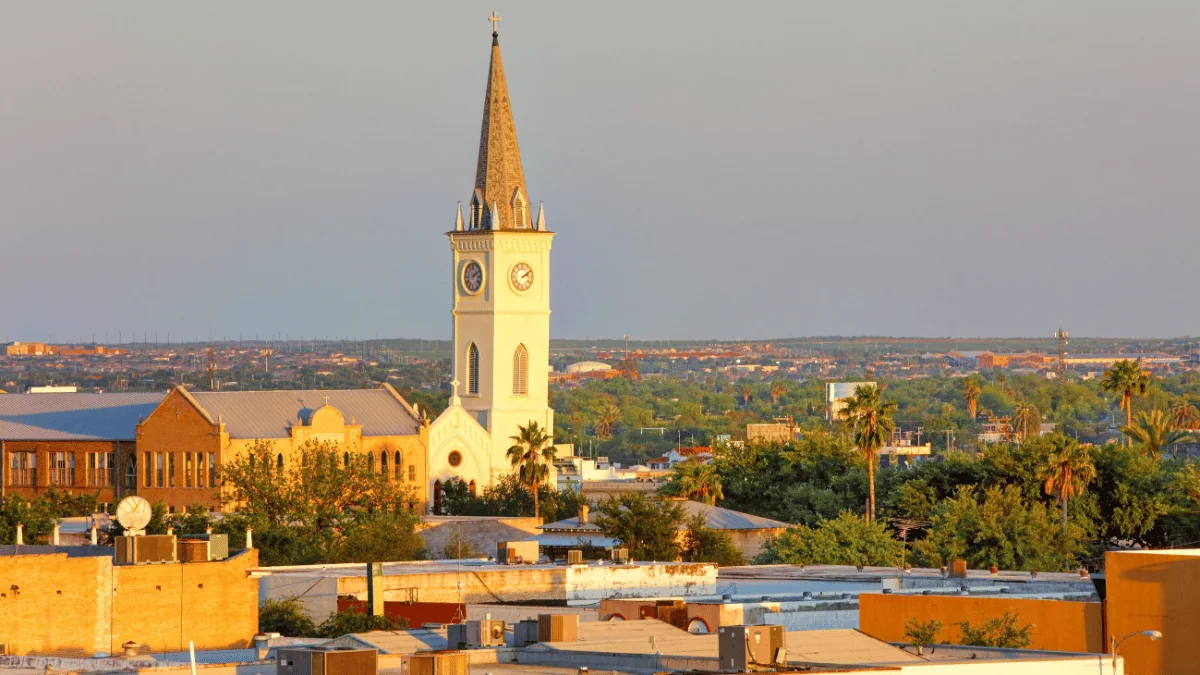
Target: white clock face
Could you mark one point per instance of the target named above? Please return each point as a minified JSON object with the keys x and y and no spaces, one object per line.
{"x":522,"y":276}
{"x":472,"y":277}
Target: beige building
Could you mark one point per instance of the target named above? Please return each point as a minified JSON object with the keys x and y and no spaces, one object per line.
{"x":183,"y":444}
{"x":500,"y":257}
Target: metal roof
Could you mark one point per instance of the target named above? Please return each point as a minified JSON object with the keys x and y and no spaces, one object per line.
{"x":271,"y":414}
{"x":74,"y":416}
{"x":714,"y":516}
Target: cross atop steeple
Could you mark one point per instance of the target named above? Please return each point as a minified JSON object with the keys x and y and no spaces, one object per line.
{"x":495,"y":19}
{"x":499,"y":177}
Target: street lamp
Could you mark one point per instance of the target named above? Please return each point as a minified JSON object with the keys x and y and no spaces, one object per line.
{"x":1154,"y":636}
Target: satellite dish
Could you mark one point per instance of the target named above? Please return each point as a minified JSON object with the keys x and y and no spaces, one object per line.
{"x":134,"y":513}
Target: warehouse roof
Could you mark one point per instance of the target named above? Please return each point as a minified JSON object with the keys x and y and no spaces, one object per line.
{"x":74,"y":416}
{"x":272,"y":414}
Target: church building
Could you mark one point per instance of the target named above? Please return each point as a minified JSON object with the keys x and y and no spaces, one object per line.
{"x":500,"y":270}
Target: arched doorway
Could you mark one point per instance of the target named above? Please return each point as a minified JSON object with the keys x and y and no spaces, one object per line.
{"x":471,"y":487}
{"x":437,"y":498}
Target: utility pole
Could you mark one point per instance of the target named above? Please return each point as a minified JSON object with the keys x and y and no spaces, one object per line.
{"x":212,"y":368}
{"x":1062,"y":352}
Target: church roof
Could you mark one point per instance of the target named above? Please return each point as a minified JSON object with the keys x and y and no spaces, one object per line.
{"x":499,"y":174}
{"x":272,"y":414}
{"x":74,"y":416}
{"x":716,"y":517}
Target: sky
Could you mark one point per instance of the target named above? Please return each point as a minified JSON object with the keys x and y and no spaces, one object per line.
{"x":714,"y":170}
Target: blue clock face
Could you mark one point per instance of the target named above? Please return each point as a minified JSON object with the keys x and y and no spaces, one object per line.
{"x":472,"y":277}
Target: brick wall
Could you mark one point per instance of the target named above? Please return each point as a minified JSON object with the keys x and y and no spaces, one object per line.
{"x":82,"y":606}
{"x":79,"y":485}
{"x":175,"y":428}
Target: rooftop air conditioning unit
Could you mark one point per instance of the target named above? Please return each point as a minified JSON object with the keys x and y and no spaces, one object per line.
{"x":558,"y":627}
{"x":486,"y":633}
{"x":327,"y":662}
{"x":574,"y":557}
{"x":744,"y":649}
{"x":620,"y":555}
{"x":525,"y":632}
{"x":439,"y":663}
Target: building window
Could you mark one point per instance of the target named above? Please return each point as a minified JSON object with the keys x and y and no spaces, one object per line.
{"x":476,"y":213}
{"x":200,"y":469}
{"x":131,"y":472}
{"x":371,"y":463}
{"x":383,"y":467}
{"x":23,"y":469}
{"x":188,"y":468}
{"x":455,"y":458}
{"x":171,"y":469}
{"x":472,"y":369}
{"x":62,"y":468}
{"x":212,"y":470}
{"x":520,"y":212}
{"x":398,"y":465}
{"x":471,"y":487}
{"x":159,"y":469}
{"x":437,"y":497}
{"x":412,"y":472}
{"x":101,"y":469}
{"x":279,"y":463}
{"x":520,"y":371}
{"x":149,"y":464}
{"x":345,"y":460}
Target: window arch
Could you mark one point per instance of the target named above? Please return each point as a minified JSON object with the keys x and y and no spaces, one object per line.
{"x":383,"y":467}
{"x":520,"y":371}
{"x":371,"y":463}
{"x":471,"y":487}
{"x":437,"y":498}
{"x":398,"y":465}
{"x":279,"y":463}
{"x":472,"y":369}
{"x":520,"y":211}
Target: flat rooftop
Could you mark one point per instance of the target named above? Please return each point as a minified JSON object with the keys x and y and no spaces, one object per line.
{"x":422,"y":567}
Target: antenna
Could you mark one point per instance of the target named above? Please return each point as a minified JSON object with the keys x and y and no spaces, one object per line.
{"x":1062,"y":352}
{"x":212,"y":368}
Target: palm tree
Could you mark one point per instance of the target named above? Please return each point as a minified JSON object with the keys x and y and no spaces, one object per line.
{"x":1026,"y":420}
{"x":609,"y":417}
{"x":1154,"y":432}
{"x":778,"y":388}
{"x":1184,"y":415}
{"x":1125,"y":378}
{"x":531,"y":454}
{"x":870,"y":420}
{"x":747,"y":394}
{"x":971,"y":393}
{"x":1067,"y":471}
{"x":699,"y":482}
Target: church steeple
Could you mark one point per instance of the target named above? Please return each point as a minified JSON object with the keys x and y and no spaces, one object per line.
{"x":499,"y":177}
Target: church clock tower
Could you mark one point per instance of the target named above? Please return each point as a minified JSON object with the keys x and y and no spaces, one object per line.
{"x":501,"y":305}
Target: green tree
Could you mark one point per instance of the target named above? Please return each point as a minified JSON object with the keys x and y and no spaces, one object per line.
{"x":531,"y":454}
{"x":1067,"y":471}
{"x":971,"y":392}
{"x":778,"y":388}
{"x":286,"y":617}
{"x":1185,"y":416}
{"x":704,"y":544}
{"x":648,"y":528}
{"x":998,"y":527}
{"x":1154,"y":431}
{"x":1026,"y":421}
{"x":845,"y":540}
{"x":696,"y":481}
{"x":1126,"y":378}
{"x":607,"y":421}
{"x":871,"y":421}
{"x":354,"y":620}
{"x":922,"y":634}
{"x":458,"y":547}
{"x":1005,"y":632}
{"x":381,"y":536}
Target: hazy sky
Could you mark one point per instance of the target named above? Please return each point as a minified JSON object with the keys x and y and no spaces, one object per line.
{"x":713,"y":169}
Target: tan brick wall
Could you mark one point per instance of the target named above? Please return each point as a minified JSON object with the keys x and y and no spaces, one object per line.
{"x":82,"y":606}
{"x":177,"y":427}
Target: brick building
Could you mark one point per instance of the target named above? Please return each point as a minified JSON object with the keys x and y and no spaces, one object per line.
{"x":75,"y":443}
{"x":184,"y":442}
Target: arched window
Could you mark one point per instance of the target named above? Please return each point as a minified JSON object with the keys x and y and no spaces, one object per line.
{"x":476,"y":213}
{"x":472,"y":369}
{"x":437,"y":498}
{"x":370,"y":462}
{"x":279,"y":463}
{"x":345,"y":460}
{"x":383,"y":467}
{"x":471,"y":487}
{"x":520,"y":211}
{"x":520,"y":371}
{"x":398,"y":465}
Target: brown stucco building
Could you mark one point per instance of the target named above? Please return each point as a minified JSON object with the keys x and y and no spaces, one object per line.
{"x":71,"y":442}
{"x":184,"y":442}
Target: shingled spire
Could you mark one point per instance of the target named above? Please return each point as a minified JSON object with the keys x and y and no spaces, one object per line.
{"x":499,"y":178}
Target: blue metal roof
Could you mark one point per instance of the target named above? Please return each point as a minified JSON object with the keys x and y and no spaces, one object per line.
{"x":74,"y":416}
